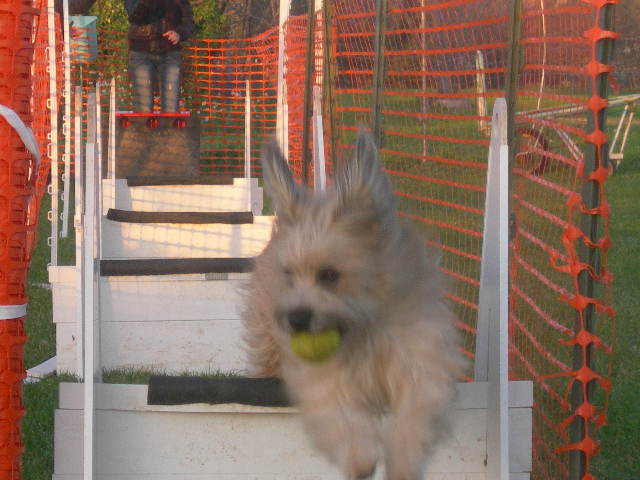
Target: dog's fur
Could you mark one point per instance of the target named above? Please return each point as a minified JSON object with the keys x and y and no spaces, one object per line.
{"x":344,"y":257}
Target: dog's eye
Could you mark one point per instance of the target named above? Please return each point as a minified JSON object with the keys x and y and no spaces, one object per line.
{"x":288,"y":275}
{"x":328,"y":276}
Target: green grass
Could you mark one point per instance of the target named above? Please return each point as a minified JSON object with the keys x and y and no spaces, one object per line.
{"x":41,"y":399}
{"x":141,"y":376}
{"x":41,"y":342}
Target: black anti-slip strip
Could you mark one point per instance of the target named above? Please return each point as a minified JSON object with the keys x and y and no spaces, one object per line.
{"x":146,"y":181}
{"x":129,"y":216}
{"x":262,"y":392}
{"x":174,"y":266}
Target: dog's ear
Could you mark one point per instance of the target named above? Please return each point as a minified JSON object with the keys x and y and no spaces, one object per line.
{"x":279,"y":182}
{"x":363,"y":179}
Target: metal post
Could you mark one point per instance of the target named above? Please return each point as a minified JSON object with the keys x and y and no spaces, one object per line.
{"x":308,"y":81}
{"x":591,"y":198}
{"x":378,"y":69}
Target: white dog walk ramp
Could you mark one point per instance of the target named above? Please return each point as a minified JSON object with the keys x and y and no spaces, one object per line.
{"x":136,"y":441}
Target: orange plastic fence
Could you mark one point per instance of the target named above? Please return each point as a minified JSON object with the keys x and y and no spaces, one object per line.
{"x":17,"y":221}
{"x":215,"y":75}
{"x":445,"y":63}
{"x":433,"y":145}
{"x":552,"y":316}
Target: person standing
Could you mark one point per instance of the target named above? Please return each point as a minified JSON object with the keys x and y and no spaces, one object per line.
{"x":156,"y":30}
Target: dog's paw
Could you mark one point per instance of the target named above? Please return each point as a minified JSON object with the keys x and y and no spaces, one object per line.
{"x":364,"y":473}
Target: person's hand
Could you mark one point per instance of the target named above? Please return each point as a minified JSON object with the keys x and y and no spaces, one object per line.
{"x":172,"y":36}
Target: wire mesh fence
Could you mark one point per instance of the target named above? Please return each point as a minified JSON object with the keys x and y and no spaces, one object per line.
{"x":444,"y":64}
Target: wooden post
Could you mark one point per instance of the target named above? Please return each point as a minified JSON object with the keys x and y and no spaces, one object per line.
{"x":378,"y":69}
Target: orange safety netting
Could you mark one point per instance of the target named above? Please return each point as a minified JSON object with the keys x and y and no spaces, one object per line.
{"x":434,"y":143}
{"x":554,"y":312}
{"x":21,"y":188}
{"x":445,"y":62}
{"x":214,"y":89}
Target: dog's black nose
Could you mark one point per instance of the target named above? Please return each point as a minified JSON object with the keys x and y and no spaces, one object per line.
{"x":300,"y":319}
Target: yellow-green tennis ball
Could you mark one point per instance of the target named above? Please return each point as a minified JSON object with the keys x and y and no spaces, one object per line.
{"x":315,"y":347}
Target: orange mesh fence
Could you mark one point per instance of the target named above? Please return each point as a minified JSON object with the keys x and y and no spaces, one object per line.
{"x":435,"y":141}
{"x":627,"y":63}
{"x":444,"y":64}
{"x":21,"y":187}
{"x":214,"y":88}
{"x":558,"y":200}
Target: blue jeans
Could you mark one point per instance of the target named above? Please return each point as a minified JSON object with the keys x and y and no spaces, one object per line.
{"x":149,"y":69}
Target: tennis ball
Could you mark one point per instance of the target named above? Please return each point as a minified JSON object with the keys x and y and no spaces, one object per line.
{"x":315,"y":347}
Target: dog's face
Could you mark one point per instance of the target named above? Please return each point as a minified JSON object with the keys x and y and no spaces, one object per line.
{"x":325,"y":265}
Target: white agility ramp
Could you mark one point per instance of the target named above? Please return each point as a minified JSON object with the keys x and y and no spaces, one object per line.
{"x":174,"y":321}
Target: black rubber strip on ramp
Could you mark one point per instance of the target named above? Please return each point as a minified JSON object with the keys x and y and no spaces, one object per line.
{"x":233,"y":218}
{"x":173,"y":266}
{"x":165,"y":180}
{"x":260,"y":392}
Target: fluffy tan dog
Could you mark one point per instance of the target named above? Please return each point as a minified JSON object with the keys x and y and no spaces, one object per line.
{"x":342,"y":260}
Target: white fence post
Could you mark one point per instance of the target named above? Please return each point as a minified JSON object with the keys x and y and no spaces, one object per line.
{"x":52,"y":149}
{"x":481,"y":90}
{"x":319,"y":172}
{"x":491,"y":362}
{"x":78,"y":222}
{"x":66,"y":125}
{"x":90,"y":290}
{"x":111,"y":153}
{"x":282,"y":110}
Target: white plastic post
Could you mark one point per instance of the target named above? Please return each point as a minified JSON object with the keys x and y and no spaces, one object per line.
{"x":247,"y":143}
{"x":88,"y":291}
{"x":111,"y":154}
{"x":52,"y":105}
{"x":247,"y":131}
{"x":319,"y":172}
{"x":78,"y":221}
{"x":99,"y":198}
{"x":282,"y":110}
{"x":481,"y":90}
{"x":66,"y":126}
{"x":491,"y":363}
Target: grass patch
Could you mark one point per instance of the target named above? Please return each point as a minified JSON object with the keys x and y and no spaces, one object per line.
{"x":141,"y":376}
{"x":41,"y":399}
